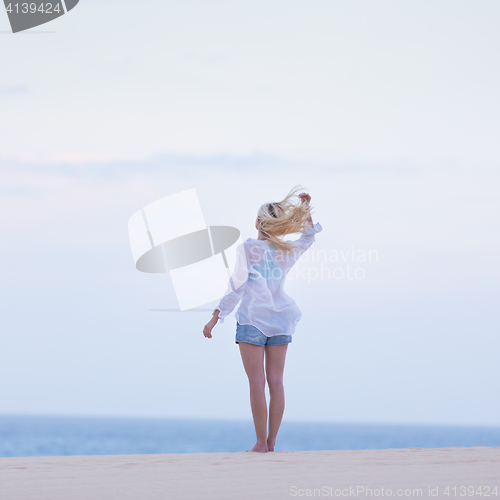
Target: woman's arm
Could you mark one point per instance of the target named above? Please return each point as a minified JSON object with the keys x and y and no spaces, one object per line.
{"x":306,"y":198}
{"x":236,"y":286}
{"x":207,"y":329}
{"x":307,"y":238}
{"x":225,"y":307}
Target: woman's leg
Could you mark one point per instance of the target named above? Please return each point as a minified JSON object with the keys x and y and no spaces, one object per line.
{"x":253,"y":361}
{"x":275,"y":364}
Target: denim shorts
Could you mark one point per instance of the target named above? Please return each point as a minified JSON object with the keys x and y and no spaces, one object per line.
{"x":252,"y":335}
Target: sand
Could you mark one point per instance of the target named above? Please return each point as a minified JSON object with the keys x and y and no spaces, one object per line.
{"x":407,"y":473}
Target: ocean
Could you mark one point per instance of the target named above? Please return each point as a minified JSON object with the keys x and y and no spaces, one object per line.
{"x":24,"y":436}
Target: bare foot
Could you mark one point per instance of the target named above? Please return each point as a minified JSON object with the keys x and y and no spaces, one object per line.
{"x":270,"y":447}
{"x":260,"y":448}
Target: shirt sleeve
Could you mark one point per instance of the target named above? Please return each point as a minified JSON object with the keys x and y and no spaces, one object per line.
{"x":307,"y":238}
{"x":236,"y":286}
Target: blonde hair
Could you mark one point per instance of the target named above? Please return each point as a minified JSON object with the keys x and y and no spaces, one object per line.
{"x":280,"y":218}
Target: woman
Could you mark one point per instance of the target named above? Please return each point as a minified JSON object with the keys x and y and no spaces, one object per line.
{"x":267,"y":316}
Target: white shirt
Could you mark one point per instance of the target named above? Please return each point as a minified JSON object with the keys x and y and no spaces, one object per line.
{"x":258,"y":280}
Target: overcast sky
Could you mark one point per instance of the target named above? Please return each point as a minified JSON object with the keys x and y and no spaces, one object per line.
{"x":387,"y":112}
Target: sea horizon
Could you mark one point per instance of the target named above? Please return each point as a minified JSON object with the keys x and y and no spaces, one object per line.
{"x":51,"y":435}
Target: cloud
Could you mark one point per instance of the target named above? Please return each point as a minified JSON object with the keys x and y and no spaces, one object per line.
{"x":258,"y":163}
{"x":10,"y":90}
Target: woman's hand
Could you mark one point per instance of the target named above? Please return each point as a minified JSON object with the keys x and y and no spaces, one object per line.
{"x":305,"y":198}
{"x":207,"y":329}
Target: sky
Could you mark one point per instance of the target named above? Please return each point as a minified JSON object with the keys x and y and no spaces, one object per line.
{"x":387,"y":113}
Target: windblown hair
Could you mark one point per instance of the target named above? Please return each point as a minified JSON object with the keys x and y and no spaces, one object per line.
{"x":280,"y":218}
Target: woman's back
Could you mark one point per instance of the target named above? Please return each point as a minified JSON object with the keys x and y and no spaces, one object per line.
{"x":258,"y":281}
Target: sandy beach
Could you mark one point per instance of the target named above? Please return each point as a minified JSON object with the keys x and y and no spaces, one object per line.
{"x":400,"y":473}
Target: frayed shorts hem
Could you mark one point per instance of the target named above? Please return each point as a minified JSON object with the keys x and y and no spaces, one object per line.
{"x":252,"y":335}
